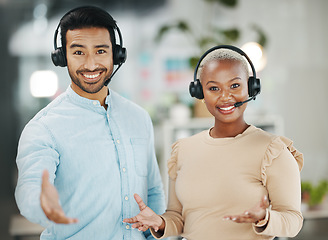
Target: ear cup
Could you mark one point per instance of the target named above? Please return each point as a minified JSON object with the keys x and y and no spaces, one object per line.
{"x":196,"y":89}
{"x":254,"y":86}
{"x":58,"y":57}
{"x":119,"y":55}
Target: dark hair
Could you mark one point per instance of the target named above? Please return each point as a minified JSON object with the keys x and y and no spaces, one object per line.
{"x":86,"y":17}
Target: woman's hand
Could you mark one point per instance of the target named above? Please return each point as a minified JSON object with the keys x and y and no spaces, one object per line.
{"x":50,"y":202}
{"x":146,"y":218}
{"x":252,"y":215}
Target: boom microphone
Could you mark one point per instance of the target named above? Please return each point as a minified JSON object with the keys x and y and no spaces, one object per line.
{"x":238,"y":104}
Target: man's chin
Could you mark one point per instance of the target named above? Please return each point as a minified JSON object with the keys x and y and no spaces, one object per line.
{"x":93,"y":89}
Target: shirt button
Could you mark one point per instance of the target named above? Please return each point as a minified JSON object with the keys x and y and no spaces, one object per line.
{"x":95,"y":103}
{"x":118,"y":141}
{"x":107,"y":115}
{"x":124,"y":169}
{"x":126,"y":198}
{"x":127,"y":227}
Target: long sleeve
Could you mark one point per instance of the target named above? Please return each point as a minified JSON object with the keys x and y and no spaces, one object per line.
{"x":36,"y":152}
{"x":173,"y":215}
{"x":281,"y":175}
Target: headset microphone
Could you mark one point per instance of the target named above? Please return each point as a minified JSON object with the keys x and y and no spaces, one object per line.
{"x":238,"y":104}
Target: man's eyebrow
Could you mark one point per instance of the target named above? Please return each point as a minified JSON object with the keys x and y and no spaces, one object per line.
{"x":75,"y":45}
{"x":102,"y":46}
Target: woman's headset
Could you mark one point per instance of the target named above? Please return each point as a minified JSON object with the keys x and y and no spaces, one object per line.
{"x":119,"y":52}
{"x":254,"y":86}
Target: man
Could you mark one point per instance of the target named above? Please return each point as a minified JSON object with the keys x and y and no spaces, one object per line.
{"x":81,"y":158}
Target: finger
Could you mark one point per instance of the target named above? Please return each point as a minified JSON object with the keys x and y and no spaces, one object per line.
{"x":244,"y":220}
{"x":66,"y":220}
{"x":249,"y":214}
{"x":44,"y":205}
{"x":141,"y":204}
{"x":265,"y":202}
{"x":226,"y":217}
{"x":45,"y":178}
{"x":131,"y":220}
{"x":239,"y":218}
{"x":56,"y":215}
{"x":59,"y":217}
{"x":136,"y":225}
{"x":143,"y":228}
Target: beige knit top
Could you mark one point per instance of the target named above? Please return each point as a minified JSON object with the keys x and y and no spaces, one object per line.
{"x":214,"y":177}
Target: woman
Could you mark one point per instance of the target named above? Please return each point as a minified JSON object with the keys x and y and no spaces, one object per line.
{"x":233,"y":181}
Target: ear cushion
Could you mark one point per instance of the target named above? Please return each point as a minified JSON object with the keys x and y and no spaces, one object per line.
{"x":119,"y":55}
{"x":196,"y":89}
{"x":254,"y":86}
{"x":58,"y":57}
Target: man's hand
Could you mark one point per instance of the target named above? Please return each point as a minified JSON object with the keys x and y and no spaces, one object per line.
{"x":146,"y":218}
{"x":252,"y":215}
{"x":50,"y":202}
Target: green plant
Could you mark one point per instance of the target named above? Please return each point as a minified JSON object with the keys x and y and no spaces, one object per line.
{"x":313,"y":195}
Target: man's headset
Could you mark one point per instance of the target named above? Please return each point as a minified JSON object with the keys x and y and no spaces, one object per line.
{"x":119,"y":52}
{"x":254,"y":86}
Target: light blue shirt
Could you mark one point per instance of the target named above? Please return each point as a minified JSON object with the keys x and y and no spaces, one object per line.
{"x":97,"y":160}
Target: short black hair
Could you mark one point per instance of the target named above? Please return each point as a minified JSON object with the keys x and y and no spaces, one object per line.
{"x":87,"y":17}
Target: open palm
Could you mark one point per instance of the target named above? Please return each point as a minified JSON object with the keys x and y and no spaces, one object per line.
{"x":253,"y":214}
{"x":146,"y":218}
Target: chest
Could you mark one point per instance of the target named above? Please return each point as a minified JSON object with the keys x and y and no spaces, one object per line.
{"x":100,"y":147}
{"x":219,"y":176}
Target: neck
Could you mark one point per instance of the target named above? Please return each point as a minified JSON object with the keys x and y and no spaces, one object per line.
{"x":223,"y":130}
{"x":100,"y":95}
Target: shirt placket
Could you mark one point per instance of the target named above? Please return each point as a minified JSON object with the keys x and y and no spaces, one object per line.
{"x":121,"y":159}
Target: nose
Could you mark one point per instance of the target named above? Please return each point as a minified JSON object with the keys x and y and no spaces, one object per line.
{"x":91,"y":63}
{"x":225,"y":94}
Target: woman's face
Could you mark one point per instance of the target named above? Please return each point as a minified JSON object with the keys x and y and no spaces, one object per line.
{"x":224,"y":83}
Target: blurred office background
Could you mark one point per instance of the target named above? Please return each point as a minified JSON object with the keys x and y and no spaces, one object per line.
{"x":163,"y":37}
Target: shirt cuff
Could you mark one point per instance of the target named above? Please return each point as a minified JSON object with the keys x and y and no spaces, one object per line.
{"x":160,"y":234}
{"x":263,"y":222}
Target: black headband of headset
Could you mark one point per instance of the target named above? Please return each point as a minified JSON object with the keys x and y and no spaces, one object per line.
{"x":233,"y":48}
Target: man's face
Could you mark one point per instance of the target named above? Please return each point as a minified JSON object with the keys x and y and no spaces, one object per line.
{"x":89,"y":59}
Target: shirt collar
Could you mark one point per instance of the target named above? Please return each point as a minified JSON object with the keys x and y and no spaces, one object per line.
{"x":85,"y":102}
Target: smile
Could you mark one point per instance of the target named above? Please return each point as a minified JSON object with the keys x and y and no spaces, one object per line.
{"x":91,"y":76}
{"x":227,"y":108}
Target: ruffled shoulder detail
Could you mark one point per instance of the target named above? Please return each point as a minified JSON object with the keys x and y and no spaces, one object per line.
{"x":274,"y":149}
{"x":172,"y":163}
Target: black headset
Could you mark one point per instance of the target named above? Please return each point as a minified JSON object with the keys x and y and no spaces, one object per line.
{"x":119,"y":52}
{"x":254,"y":86}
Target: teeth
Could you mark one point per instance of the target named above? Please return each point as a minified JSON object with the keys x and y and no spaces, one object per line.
{"x":227,"y":108}
{"x":91,"y":76}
